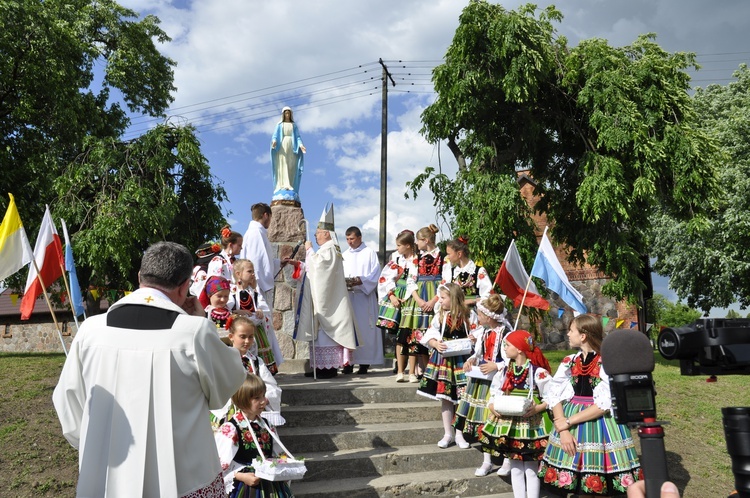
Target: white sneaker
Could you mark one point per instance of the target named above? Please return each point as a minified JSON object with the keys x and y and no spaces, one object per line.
{"x":504,"y":470}
{"x":400,"y":377}
{"x":413,"y":379}
{"x":483,"y":470}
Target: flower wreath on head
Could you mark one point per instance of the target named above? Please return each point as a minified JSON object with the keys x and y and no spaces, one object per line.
{"x":498,"y":317}
{"x":226,"y":232}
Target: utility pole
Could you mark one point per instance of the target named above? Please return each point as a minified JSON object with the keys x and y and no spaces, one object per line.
{"x":384,"y":161}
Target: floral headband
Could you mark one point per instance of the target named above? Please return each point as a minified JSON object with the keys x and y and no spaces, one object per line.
{"x":498,"y":317}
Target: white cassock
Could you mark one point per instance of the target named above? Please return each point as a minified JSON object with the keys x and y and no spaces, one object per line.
{"x":325,"y":307}
{"x":363,"y":262}
{"x":134,"y":398}
{"x":257,"y":248}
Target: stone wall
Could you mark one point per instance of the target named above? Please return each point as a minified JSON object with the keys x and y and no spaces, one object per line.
{"x":38,"y":336}
{"x":553,"y":330}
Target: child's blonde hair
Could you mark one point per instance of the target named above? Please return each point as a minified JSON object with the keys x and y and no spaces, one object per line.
{"x":253,"y":387}
{"x":239,"y":264}
{"x":458,"y":311}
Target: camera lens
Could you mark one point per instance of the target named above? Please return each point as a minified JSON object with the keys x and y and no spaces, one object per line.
{"x":737,"y":434}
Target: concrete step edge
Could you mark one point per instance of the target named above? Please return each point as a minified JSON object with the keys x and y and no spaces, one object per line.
{"x":359,"y":406}
{"x":363,"y":428}
{"x":451,"y":483}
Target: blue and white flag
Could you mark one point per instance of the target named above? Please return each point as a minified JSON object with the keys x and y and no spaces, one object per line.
{"x":70,"y":266}
{"x":548,"y":268}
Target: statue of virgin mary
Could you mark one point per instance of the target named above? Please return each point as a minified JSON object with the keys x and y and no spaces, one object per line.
{"x":287,"y":159}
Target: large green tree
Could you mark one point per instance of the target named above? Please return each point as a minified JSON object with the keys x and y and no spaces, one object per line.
{"x":708,"y":262}
{"x":69,"y":72}
{"x":157,"y":191}
{"x":608,"y":133}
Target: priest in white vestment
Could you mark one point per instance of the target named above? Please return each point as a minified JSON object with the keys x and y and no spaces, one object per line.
{"x":135,"y":391}
{"x":257,"y":248}
{"x":362,"y":270}
{"x":325,"y":314}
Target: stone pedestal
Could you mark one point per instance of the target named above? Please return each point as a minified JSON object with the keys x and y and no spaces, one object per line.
{"x":284,"y":233}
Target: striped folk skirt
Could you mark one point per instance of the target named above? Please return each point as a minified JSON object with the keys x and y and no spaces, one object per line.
{"x":444,"y":378}
{"x":265,"y":352}
{"x":516,"y":438}
{"x":605,"y":462}
{"x":390,"y":317}
{"x":472,"y":410}
{"x":412,"y":316}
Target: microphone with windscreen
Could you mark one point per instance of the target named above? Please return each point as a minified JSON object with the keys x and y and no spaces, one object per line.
{"x":628,"y":360}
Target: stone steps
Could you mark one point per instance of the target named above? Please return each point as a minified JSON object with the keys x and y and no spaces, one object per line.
{"x":356,"y":414}
{"x":368,"y":436}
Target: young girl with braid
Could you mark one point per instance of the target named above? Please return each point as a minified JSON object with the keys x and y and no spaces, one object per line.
{"x":419,"y":311}
{"x":397,"y":281}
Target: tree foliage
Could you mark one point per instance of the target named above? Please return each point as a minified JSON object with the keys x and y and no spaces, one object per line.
{"x":68,"y":72}
{"x":708,"y":263}
{"x":662,"y":312}
{"x":607,"y":133}
{"x":48,"y":100}
{"x":121,"y":197}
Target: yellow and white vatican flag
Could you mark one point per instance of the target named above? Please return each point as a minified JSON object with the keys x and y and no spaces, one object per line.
{"x":15,"y":250}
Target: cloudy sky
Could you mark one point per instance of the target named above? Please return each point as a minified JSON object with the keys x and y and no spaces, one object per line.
{"x":240,"y":62}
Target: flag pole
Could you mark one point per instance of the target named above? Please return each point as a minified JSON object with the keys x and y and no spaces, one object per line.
{"x":49,"y":305}
{"x":523,"y":299}
{"x":70,"y":297}
{"x":526,"y":290}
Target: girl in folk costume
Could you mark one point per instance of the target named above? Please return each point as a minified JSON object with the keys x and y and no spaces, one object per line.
{"x":218,"y":294}
{"x":589,"y":453}
{"x":242,"y":332}
{"x":249,"y":301}
{"x":418,"y":313}
{"x":473,"y":279}
{"x":521,"y":439}
{"x":221,"y":264}
{"x":398,"y":280}
{"x":444,"y":377}
{"x":487,"y":359}
{"x":237,"y":447}
{"x":203,"y":255}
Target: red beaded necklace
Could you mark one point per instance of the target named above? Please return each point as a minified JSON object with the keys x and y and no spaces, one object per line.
{"x":587,"y":370}
{"x":248,"y":303}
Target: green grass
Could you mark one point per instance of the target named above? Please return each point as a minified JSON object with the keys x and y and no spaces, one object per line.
{"x":37,"y":461}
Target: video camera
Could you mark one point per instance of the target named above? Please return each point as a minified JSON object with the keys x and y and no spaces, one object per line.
{"x":709,"y":346}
